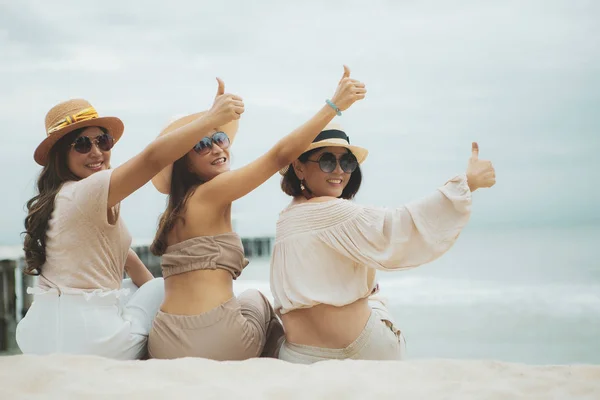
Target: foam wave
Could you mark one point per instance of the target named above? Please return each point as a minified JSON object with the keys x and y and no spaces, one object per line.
{"x":412,"y":291}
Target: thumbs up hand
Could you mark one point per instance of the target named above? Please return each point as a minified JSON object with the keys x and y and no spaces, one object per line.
{"x":480,"y":173}
{"x":226,"y":107}
{"x":220,"y":87}
{"x":348,"y":91}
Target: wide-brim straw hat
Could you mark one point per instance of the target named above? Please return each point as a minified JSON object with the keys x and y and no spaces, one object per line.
{"x":162,"y":180}
{"x":71,"y":115}
{"x":334,"y":135}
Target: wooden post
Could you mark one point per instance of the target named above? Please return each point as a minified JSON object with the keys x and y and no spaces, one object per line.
{"x":3,"y":305}
{"x":7,"y":304}
{"x":151,"y":261}
{"x":26,"y":299}
{"x":246,"y":243}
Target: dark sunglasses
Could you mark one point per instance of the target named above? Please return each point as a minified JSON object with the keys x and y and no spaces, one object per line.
{"x":328,"y":162}
{"x":205,"y":145}
{"x":83,"y":144}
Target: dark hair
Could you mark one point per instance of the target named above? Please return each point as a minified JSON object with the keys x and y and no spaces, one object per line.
{"x":290,"y":184}
{"x":40,"y":207}
{"x":183,"y":184}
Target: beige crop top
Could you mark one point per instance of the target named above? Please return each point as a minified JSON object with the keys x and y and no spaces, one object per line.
{"x":224,"y":251}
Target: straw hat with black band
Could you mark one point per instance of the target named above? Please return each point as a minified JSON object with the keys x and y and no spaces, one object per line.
{"x":334,"y":135}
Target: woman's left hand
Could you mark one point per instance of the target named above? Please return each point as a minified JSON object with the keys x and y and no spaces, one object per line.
{"x":480,"y":173}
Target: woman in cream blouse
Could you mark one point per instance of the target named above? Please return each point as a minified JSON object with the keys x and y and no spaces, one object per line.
{"x":328,"y":248}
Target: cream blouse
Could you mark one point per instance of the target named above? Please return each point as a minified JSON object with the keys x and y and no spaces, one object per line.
{"x":328,"y":252}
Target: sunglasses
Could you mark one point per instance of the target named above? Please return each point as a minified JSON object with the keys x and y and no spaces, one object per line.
{"x":83,"y":144}
{"x":328,"y":162}
{"x":205,"y":145}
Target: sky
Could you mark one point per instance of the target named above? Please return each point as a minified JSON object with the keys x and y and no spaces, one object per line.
{"x":520,"y":78}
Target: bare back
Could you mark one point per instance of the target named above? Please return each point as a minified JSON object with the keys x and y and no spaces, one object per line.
{"x":195,"y":292}
{"x":325,"y":325}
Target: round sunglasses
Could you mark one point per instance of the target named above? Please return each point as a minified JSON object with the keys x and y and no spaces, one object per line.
{"x":83,"y":144}
{"x":328,"y":162}
{"x":205,"y":145}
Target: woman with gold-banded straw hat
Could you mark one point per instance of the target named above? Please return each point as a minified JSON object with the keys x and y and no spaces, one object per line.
{"x":328,"y":249}
{"x":76,"y":242}
{"x":202,"y":255}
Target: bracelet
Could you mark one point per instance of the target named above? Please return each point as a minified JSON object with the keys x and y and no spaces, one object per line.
{"x":337,"y":110}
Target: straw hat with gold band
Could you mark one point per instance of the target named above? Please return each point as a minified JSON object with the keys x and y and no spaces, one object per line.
{"x":334,"y":135}
{"x":162,"y":180}
{"x":68,"y":116}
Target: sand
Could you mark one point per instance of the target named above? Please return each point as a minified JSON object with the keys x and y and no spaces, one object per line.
{"x":90,"y":377}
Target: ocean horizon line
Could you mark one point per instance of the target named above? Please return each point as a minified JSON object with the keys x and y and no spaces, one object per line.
{"x":146,"y":241}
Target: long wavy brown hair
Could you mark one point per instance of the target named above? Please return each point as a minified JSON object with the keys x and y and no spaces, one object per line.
{"x":183,"y":184}
{"x":40,"y":207}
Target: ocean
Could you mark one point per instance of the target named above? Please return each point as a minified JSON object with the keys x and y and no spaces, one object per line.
{"x":517,"y":295}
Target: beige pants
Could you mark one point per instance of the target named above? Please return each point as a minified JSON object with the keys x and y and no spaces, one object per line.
{"x":241,"y":328}
{"x":379,"y":340}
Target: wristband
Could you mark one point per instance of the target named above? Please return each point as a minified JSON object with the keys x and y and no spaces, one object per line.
{"x":337,"y":110}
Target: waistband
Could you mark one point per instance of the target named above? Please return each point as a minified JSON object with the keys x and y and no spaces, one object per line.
{"x":71,"y":294}
{"x":208,"y":318}
{"x":344,"y":353}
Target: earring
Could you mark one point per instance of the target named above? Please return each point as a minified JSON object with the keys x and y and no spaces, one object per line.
{"x":306,"y":192}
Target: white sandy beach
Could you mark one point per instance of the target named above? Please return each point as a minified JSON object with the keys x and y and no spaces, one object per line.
{"x":64,"y":377}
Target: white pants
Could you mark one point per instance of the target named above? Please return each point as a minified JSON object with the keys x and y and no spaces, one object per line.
{"x":111,"y":324}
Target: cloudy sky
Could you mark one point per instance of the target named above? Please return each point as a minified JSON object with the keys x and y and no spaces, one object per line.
{"x":520,"y":77}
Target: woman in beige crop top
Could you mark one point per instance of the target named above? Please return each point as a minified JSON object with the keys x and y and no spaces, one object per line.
{"x":327,"y":250}
{"x":79,"y":246}
{"x":200,"y":316}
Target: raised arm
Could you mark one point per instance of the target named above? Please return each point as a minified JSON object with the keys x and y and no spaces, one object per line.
{"x":411,"y":235}
{"x":166,"y":149}
{"x":232,"y":185}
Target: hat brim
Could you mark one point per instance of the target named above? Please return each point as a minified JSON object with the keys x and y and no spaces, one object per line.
{"x":162,"y":180}
{"x":359,"y":152}
{"x":113,"y":125}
